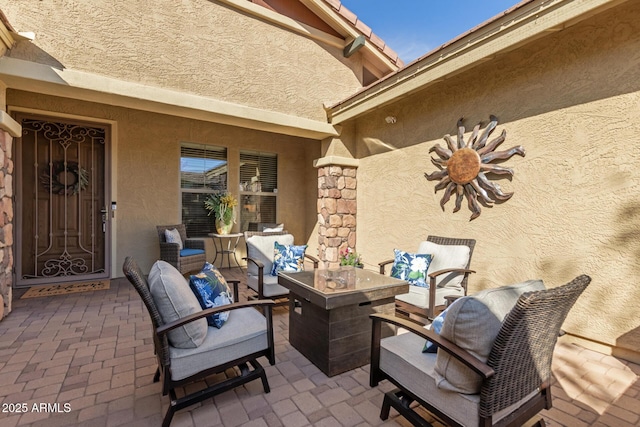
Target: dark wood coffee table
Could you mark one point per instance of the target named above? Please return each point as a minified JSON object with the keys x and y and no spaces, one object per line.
{"x":329,"y":314}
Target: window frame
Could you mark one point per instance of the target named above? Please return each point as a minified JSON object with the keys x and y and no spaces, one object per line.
{"x":197,"y":225}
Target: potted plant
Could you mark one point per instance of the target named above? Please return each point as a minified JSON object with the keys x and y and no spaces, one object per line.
{"x":350,"y":257}
{"x":222,"y":205}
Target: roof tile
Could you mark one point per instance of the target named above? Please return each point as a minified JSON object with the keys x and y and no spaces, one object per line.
{"x":334,"y":4}
{"x":364,"y":28}
{"x":377,"y":41}
{"x":390,"y":53}
{"x":348,"y":15}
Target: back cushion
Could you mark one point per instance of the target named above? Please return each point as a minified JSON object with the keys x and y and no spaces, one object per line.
{"x":261,"y":248}
{"x":443,"y":257}
{"x":175,"y":300}
{"x":473,"y":323}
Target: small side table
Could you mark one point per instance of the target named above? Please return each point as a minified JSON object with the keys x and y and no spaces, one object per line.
{"x":231,"y":247}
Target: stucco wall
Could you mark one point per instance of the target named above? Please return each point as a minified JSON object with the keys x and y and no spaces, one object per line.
{"x":148,"y":164}
{"x":196,"y":46}
{"x":572,"y":100}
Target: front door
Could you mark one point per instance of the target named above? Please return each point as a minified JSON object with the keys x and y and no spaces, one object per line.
{"x":63,"y":217}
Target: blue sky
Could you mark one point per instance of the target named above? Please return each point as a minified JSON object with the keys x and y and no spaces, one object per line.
{"x":414,"y":27}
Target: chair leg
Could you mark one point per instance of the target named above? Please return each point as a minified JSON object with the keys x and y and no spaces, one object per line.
{"x":166,"y":422}
{"x":386,"y":408}
{"x":400,"y":403}
{"x":263,"y":375}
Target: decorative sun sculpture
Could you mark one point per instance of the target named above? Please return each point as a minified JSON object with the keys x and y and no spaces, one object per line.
{"x":464,"y":165}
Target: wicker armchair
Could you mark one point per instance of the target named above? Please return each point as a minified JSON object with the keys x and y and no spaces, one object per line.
{"x":515,"y":380}
{"x":427,"y":303}
{"x":190,"y":258}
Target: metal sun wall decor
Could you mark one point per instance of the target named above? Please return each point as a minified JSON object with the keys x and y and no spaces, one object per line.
{"x":463,"y":167}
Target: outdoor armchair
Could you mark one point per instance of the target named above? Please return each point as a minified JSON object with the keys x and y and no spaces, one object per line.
{"x":186,"y":255}
{"x":260,"y":255}
{"x":188,"y":351}
{"x":495,"y":371}
{"x":448,"y":275}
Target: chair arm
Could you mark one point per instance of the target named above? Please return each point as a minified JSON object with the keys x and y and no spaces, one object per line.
{"x":383,"y":264}
{"x":209,"y":311}
{"x":315,"y":260}
{"x":256,"y":262}
{"x":451,"y":298}
{"x":450,"y":270}
{"x":194,"y":244}
{"x":170,"y":252}
{"x":260,"y":266}
{"x":236,"y":295}
{"x":459,"y":353}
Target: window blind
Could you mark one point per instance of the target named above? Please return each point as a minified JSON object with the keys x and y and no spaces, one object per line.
{"x":203,"y":170}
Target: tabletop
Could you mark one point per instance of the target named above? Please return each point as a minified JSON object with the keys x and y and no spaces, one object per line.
{"x":226,"y":235}
{"x":330,"y":288}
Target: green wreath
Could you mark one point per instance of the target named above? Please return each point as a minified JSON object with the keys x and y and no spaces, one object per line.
{"x":65,"y":179}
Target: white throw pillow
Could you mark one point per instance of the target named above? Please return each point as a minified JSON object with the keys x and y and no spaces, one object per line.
{"x":173,"y":236}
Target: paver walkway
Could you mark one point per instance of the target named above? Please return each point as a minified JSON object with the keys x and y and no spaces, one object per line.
{"x":89,"y":358}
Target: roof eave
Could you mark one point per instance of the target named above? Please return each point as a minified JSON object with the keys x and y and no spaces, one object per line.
{"x":374,"y":55}
{"x":78,"y":85}
{"x":525,"y":22}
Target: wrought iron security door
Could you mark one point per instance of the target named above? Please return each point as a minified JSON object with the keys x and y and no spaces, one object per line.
{"x":64,"y":218}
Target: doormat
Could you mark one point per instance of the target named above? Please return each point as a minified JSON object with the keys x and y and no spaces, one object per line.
{"x":65,"y":288}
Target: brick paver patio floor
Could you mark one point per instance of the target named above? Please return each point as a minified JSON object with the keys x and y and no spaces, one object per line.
{"x":92,"y":355}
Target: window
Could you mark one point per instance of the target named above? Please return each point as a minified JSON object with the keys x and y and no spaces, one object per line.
{"x":203,"y":170}
{"x":258,"y":189}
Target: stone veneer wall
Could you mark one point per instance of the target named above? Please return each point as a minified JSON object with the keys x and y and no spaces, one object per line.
{"x":6,"y":223}
{"x":336,"y":212}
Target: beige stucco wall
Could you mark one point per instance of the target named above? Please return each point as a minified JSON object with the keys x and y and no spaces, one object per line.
{"x":572,"y":99}
{"x":147,"y":160}
{"x":196,"y":46}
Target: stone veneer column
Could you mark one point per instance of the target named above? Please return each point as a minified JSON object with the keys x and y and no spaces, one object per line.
{"x":6,"y":223}
{"x":336,"y":212}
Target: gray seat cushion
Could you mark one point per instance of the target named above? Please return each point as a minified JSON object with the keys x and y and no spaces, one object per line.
{"x":473,"y":323}
{"x":402,"y":359}
{"x":174,"y":300}
{"x":271,"y":288}
{"x":244,"y":333}
{"x":419,"y":296}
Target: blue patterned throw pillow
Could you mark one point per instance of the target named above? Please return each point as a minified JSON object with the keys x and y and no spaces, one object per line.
{"x":411,"y":267}
{"x":212,"y":290}
{"x":289,"y":258}
{"x":436,"y":326}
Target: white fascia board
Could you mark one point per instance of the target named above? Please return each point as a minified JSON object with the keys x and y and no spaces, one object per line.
{"x":39,"y":78}
{"x":285,"y":22}
{"x":523,"y":25}
{"x":327,"y":14}
{"x":9,"y":125}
